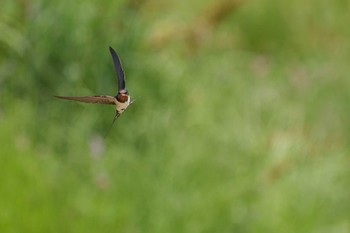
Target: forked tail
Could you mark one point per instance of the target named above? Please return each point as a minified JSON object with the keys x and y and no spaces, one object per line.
{"x":115,"y":118}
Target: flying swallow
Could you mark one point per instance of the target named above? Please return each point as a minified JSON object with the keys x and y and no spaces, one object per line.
{"x":122,"y":100}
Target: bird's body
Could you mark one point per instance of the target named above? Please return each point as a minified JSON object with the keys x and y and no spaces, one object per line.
{"x":122,"y":100}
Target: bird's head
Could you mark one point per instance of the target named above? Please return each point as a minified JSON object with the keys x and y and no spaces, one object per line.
{"x":123,"y":96}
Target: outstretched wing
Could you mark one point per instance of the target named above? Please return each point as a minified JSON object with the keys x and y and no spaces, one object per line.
{"x":118,"y":68}
{"x":103,"y":99}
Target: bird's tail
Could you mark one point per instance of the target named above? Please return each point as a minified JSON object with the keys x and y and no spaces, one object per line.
{"x":115,"y":118}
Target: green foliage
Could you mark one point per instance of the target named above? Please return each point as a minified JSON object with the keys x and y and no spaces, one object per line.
{"x":241,"y":122}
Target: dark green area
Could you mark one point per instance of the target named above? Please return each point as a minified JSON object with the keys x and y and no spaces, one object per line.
{"x":241,"y":123}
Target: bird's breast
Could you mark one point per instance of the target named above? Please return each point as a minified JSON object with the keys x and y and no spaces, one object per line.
{"x":121,"y":106}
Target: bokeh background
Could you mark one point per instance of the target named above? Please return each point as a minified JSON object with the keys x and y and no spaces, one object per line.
{"x":241,"y":122}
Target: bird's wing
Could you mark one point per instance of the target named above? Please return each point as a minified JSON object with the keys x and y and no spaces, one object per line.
{"x":118,"y":68}
{"x":103,"y":99}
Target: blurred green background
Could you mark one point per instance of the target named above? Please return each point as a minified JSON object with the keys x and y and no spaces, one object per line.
{"x":241,"y":122}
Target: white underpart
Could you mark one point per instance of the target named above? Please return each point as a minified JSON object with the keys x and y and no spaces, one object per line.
{"x":122,"y":106}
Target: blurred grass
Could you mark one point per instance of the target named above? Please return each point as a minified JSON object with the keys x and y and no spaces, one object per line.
{"x":241,"y":125}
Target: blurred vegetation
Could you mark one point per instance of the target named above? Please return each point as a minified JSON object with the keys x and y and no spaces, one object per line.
{"x":242,"y":124}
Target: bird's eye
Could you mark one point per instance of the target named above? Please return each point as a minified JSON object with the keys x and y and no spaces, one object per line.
{"x":123,"y":92}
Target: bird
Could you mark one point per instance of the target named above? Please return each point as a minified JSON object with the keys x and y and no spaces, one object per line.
{"x":121,"y":101}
